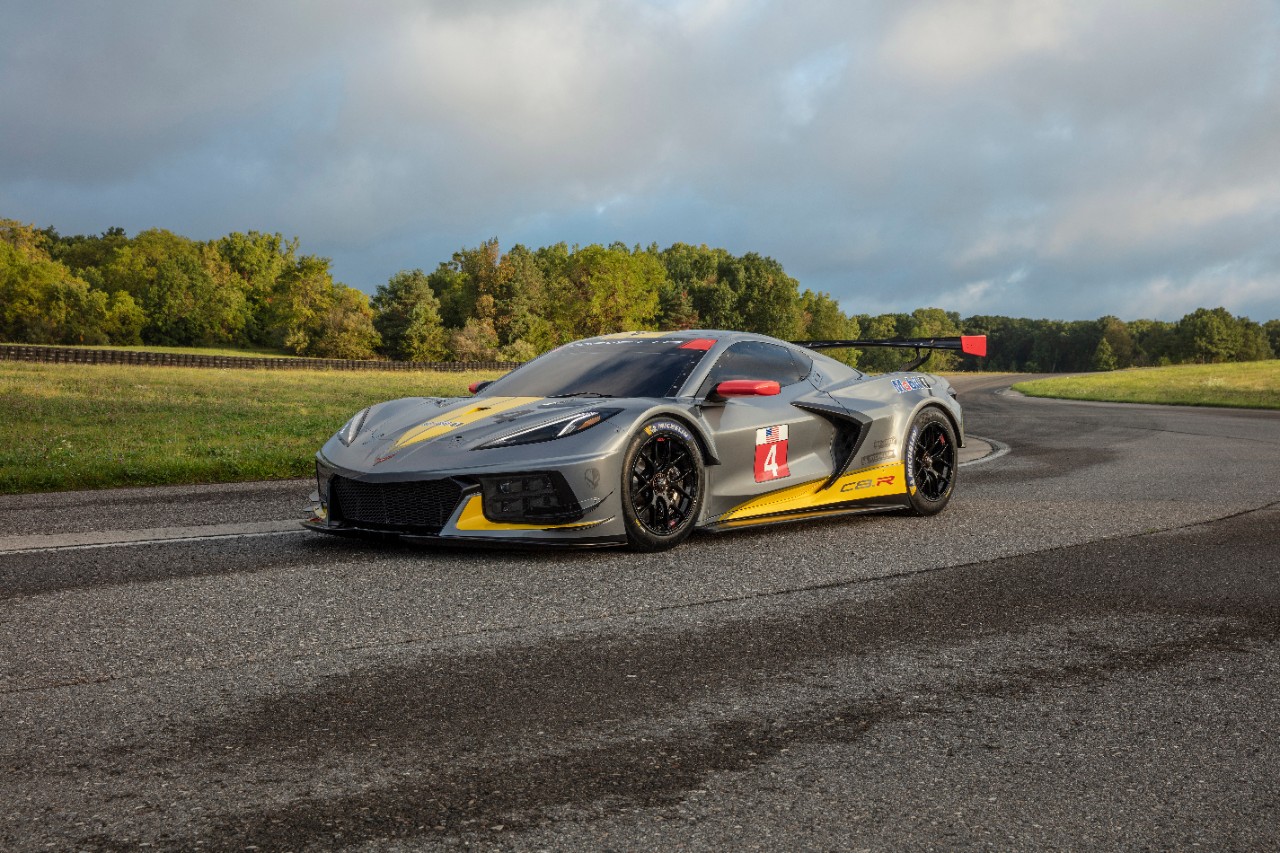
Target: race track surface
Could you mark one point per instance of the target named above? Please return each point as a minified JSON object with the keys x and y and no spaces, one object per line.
{"x":1081,"y":652}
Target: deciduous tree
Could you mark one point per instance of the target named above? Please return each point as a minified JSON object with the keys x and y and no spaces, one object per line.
{"x":1104,"y":357}
{"x":407,"y":316}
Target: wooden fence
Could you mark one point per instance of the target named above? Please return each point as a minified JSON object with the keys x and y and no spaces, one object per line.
{"x":77,"y":355}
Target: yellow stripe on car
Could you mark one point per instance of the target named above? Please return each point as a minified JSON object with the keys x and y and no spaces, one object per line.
{"x":808,"y":515}
{"x":472,"y":519}
{"x":447,"y":422}
{"x":875,"y":482}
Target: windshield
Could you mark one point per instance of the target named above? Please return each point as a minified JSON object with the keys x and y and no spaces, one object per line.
{"x":608,"y":368}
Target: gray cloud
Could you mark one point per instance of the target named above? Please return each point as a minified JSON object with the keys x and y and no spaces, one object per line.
{"x":1028,"y":157}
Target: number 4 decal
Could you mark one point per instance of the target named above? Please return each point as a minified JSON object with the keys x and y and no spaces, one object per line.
{"x":771,"y":453}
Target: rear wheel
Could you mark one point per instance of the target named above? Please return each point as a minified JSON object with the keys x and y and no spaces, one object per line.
{"x":931,"y":462}
{"x":662,"y":483}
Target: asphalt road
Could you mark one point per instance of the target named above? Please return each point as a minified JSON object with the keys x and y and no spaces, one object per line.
{"x":1081,"y":652}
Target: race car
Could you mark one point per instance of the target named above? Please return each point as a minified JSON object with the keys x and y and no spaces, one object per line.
{"x":641,"y":438}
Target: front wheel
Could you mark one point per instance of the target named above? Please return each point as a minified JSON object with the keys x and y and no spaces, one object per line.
{"x":662,"y":484}
{"x":931,"y":462}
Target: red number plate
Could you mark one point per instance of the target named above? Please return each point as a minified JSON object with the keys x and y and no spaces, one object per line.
{"x":771,"y":453}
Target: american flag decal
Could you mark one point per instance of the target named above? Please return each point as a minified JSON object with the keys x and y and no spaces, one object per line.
{"x":771,"y":434}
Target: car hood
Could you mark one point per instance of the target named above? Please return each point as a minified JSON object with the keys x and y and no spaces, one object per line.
{"x":421,"y":434}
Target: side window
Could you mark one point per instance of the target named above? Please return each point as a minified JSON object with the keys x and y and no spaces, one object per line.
{"x":804,"y":364}
{"x":757,"y":360}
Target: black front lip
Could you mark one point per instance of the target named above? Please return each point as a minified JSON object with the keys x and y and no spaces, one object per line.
{"x":488,"y":543}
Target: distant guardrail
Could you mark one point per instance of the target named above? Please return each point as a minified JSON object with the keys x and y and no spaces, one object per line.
{"x":77,"y":355}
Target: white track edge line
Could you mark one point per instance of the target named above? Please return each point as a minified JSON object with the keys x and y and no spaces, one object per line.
{"x":158,"y":541}
{"x":998,"y":449}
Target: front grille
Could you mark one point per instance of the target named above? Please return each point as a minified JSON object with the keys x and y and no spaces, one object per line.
{"x":417,"y":506}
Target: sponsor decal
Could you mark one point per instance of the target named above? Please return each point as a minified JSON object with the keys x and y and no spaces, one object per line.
{"x":911,"y":383}
{"x":911,"y":460}
{"x":771,"y":453}
{"x":379,"y":460}
{"x":886,"y":442}
{"x":429,"y":424}
{"x":670,"y":426}
{"x":592,"y":476}
{"x":879,"y":457}
{"x":869,"y":483}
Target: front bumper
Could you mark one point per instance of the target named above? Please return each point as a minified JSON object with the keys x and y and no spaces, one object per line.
{"x":449,"y":506}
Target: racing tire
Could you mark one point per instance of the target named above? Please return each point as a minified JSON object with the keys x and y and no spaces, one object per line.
{"x":931,"y":462}
{"x":663,"y":480}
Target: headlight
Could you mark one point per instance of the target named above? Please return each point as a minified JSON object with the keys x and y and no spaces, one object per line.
{"x":349,"y":432}
{"x":559,"y":428}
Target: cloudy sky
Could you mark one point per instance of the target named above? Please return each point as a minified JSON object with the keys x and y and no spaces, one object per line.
{"x":1042,"y":158}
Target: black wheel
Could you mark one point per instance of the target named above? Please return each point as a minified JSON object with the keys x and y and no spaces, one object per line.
{"x":931,"y":462}
{"x":662,"y":483}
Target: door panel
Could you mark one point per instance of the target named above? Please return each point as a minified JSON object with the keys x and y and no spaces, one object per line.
{"x":748,"y":455}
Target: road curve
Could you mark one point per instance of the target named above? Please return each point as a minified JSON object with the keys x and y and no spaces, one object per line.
{"x":1080,"y":652}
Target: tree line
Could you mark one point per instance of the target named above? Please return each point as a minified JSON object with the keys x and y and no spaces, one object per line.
{"x":258,"y":290}
{"x":242,"y":290}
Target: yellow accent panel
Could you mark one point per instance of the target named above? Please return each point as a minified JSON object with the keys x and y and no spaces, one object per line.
{"x":790,"y":516}
{"x":472,"y":519}
{"x":465,"y":416}
{"x":875,"y":482}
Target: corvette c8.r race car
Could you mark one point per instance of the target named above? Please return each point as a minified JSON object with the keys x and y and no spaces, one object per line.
{"x":640,"y":438}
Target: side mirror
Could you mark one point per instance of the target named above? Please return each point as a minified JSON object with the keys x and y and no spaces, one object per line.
{"x":746,"y":388}
{"x":477,"y":387}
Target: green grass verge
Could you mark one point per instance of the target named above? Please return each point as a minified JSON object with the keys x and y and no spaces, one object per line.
{"x":1249,"y":385}
{"x":91,"y":426}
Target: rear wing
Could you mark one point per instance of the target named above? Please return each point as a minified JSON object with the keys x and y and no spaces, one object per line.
{"x":968,"y":344}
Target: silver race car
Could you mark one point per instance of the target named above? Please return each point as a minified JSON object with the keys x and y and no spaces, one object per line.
{"x":641,"y":438}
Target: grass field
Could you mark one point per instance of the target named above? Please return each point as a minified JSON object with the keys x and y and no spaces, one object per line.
{"x":1250,"y":385}
{"x":90,"y":426}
